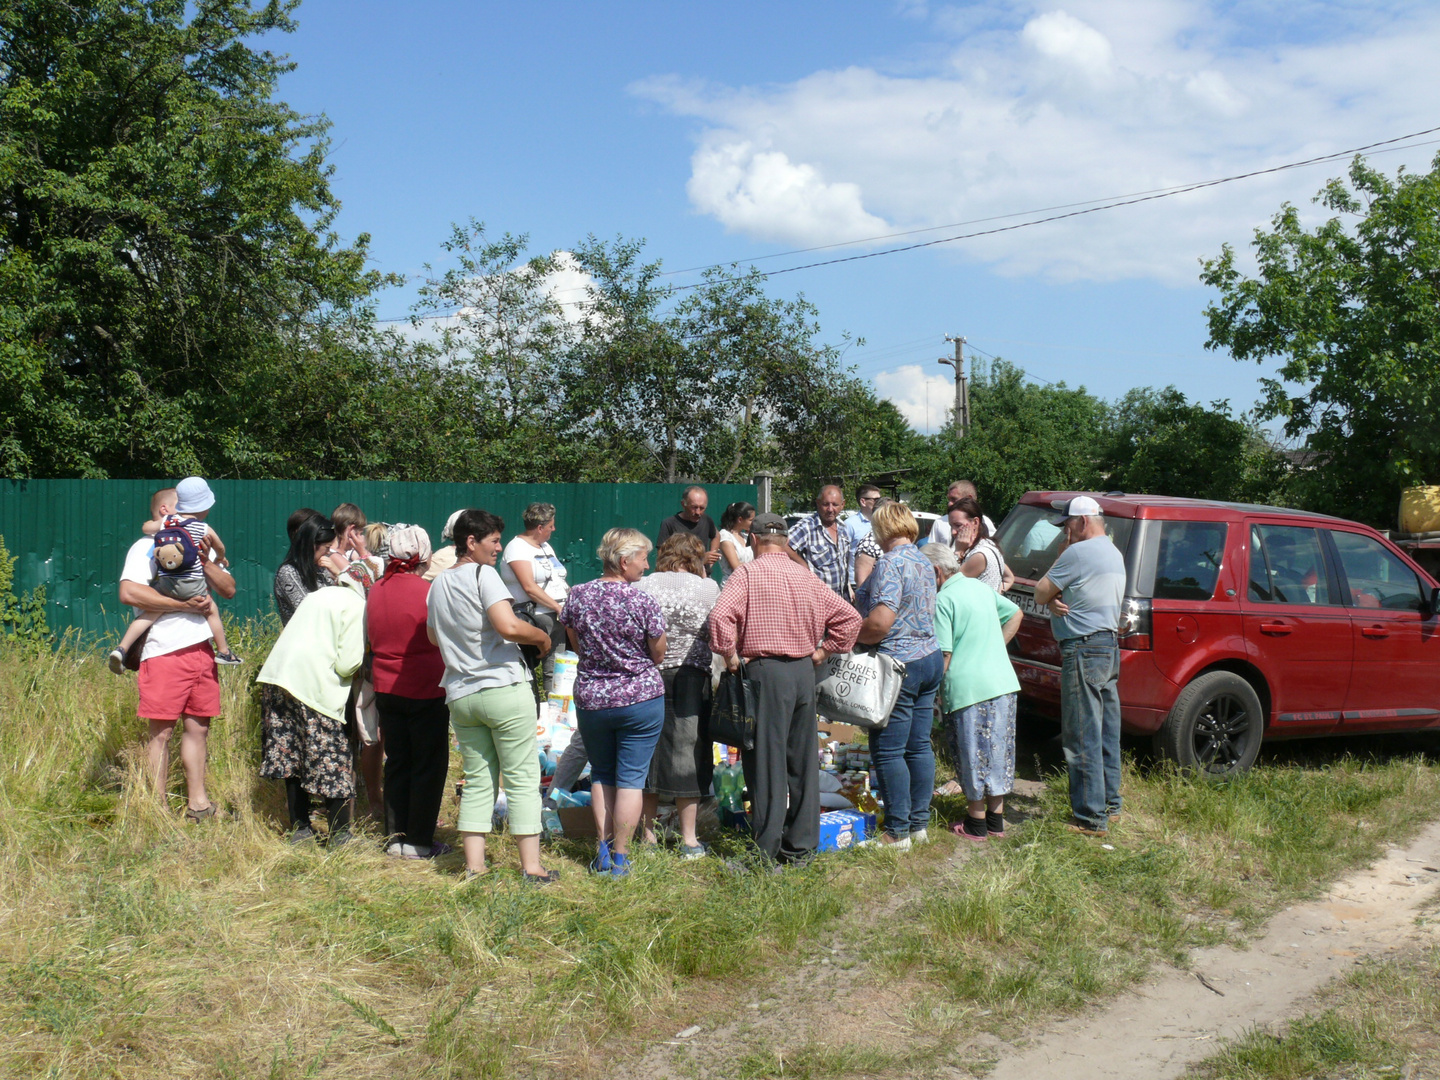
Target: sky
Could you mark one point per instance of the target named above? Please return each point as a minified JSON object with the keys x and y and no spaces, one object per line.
{"x":743,"y":132}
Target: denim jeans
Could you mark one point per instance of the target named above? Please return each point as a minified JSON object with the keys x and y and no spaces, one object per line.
{"x":1090,"y":725}
{"x":901,"y":751}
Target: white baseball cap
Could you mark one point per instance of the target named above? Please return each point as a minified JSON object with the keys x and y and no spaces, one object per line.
{"x":1079,"y":506}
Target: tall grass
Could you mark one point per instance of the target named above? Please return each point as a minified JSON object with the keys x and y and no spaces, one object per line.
{"x":135,"y":945}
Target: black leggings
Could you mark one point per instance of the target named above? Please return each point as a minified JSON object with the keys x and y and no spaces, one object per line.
{"x":297,"y":801}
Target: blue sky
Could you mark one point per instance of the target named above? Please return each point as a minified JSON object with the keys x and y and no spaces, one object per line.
{"x":723,"y":132}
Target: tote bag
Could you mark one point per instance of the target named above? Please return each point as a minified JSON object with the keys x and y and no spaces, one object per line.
{"x":859,"y":688}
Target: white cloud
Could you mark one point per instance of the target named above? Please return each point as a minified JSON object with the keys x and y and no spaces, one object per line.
{"x":763,"y":193}
{"x":1037,"y":107}
{"x":1065,"y":38}
{"x":923,"y":399}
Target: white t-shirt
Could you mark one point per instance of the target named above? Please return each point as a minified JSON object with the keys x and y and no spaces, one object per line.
{"x":743,"y":551}
{"x":549,"y":571}
{"x":476,"y":656}
{"x":173,"y":630}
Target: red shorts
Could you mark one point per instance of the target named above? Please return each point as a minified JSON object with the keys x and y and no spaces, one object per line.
{"x":180,"y":683}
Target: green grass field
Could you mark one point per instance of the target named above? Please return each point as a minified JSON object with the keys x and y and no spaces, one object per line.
{"x":135,"y":945}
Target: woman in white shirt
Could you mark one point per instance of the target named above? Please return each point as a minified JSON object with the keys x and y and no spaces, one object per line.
{"x":734,"y":538}
{"x":537,"y":581}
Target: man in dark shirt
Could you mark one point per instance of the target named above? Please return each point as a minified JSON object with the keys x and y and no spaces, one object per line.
{"x":693,"y":519}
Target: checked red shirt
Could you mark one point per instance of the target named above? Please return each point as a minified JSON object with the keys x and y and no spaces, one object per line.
{"x":776,"y":607}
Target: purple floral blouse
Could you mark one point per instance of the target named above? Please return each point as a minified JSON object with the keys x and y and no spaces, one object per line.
{"x":611,"y":620}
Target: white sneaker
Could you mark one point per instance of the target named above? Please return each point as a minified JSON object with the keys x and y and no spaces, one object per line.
{"x":920,"y":836}
{"x":117,"y":662}
{"x":888,"y":844}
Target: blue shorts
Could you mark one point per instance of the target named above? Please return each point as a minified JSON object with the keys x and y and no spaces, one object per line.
{"x":621,"y":741}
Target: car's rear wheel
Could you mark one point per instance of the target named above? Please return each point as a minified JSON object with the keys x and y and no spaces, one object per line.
{"x":1215,"y":727}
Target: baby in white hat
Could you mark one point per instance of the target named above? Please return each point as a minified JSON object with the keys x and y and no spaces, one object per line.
{"x":182,"y":543}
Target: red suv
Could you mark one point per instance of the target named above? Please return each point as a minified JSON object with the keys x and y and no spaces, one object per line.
{"x":1241,"y":623}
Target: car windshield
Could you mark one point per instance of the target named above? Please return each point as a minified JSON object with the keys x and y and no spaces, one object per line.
{"x":1030,"y":543}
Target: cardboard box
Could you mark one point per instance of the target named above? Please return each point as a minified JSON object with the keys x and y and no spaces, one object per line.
{"x":841,"y":733}
{"x":843,"y":829}
{"x":577,"y":821}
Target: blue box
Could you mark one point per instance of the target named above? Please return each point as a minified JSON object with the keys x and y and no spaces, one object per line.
{"x":843,"y":829}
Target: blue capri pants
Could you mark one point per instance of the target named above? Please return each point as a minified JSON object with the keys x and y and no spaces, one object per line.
{"x":621,"y":741}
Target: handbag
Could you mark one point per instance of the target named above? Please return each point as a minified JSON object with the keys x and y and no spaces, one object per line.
{"x":732,"y":714}
{"x":859,"y":688}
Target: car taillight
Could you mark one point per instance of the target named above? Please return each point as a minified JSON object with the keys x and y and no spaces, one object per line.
{"x":1134,"y":623}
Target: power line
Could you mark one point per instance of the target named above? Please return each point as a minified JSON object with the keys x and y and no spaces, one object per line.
{"x":1089,"y":206}
{"x":1163,"y":194}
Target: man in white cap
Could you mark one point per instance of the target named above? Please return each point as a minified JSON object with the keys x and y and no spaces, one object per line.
{"x":1084,"y":590}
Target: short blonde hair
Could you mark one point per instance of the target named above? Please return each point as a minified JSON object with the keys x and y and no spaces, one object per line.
{"x":375,"y":534}
{"x":682,"y":551}
{"x":893,"y":520}
{"x":617,"y":545}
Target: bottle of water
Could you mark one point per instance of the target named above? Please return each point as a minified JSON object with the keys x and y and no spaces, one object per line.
{"x":550,"y":822}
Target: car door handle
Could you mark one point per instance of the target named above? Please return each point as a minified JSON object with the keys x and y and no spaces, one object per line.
{"x":1275,"y":628}
{"x":1374,"y":631}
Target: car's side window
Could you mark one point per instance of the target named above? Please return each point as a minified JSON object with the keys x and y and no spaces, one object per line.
{"x":1287,"y":566}
{"x":1188,"y":563}
{"x":1375,"y":576}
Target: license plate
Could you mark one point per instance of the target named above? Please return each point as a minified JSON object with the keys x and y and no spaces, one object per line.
{"x":1026,"y":603}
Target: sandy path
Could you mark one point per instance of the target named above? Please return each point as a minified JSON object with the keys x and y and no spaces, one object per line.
{"x":1176,"y":1019}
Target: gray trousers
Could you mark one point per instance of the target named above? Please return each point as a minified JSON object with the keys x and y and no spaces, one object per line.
{"x":571,"y":764}
{"x":783,"y":771}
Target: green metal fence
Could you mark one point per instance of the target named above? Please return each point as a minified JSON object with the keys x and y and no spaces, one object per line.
{"x":71,"y":536}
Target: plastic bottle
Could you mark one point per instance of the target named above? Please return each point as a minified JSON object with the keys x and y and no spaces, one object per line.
{"x":550,"y":822}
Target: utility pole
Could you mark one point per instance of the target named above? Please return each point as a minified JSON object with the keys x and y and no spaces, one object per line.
{"x":962,"y":385}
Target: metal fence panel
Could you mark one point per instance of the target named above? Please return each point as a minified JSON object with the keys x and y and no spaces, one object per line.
{"x":71,"y":536}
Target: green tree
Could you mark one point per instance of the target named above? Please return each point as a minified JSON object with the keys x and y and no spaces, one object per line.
{"x":1352,"y":311}
{"x":1158,"y":443}
{"x":164,"y":229}
{"x":1022,"y":437}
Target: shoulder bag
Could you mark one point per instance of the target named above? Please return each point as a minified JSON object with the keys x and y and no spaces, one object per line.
{"x":859,"y":688}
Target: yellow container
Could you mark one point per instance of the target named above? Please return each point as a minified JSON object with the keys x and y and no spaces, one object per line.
{"x":1420,"y":509}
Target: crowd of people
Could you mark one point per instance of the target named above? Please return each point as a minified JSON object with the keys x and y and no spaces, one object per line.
{"x":389,"y":647}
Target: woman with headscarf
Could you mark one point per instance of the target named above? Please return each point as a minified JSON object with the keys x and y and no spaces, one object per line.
{"x":406,"y":668}
{"x":443,"y":557}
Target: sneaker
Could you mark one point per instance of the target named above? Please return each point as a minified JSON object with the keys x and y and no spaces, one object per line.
{"x":395,"y":850}
{"x":228,"y":659}
{"x":434,"y":851}
{"x":689,"y":854}
{"x":116,"y":661}
{"x":920,"y":836}
{"x":1083,"y":829}
{"x":889,"y":843}
{"x":303,"y":835}
{"x":339,"y":839}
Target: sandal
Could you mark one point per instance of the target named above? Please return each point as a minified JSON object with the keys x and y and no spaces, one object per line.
{"x":547,"y":878}
{"x":197,"y":816}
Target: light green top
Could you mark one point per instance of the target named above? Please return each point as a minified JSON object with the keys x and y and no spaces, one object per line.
{"x":969,"y":617}
{"x":320,"y":648}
